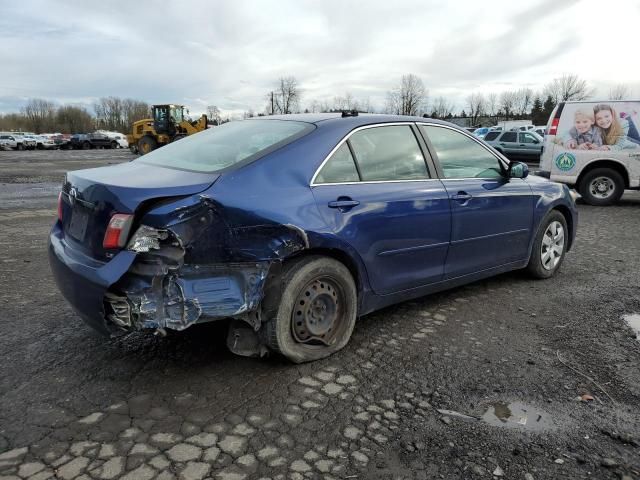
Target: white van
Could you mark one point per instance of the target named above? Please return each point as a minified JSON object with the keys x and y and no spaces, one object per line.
{"x":594,"y":146}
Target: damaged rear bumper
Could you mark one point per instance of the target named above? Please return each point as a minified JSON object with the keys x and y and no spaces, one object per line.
{"x":84,"y":281}
{"x":155,"y":289}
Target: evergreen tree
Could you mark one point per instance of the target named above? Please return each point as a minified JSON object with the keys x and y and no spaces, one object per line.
{"x":548,"y":106}
{"x":537,"y":115}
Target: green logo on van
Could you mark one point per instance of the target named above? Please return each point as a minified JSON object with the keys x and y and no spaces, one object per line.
{"x":565,"y":161}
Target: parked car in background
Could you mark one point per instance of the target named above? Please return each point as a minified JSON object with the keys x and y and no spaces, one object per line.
{"x":516,"y":144}
{"x":9,"y":141}
{"x":63,"y":141}
{"x":30,"y":141}
{"x":45,"y":142}
{"x":594,"y":146}
{"x":481,"y":132}
{"x":294,"y":226}
{"x":85,"y":141}
{"x":514,"y":124}
{"x":540,"y":130}
{"x":120,"y":140}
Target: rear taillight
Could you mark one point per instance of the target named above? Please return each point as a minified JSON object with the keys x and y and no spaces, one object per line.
{"x":60,"y":206}
{"x":553,"y":130}
{"x":117,"y":231}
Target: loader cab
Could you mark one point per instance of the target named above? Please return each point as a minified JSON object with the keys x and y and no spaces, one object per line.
{"x":166,"y":117}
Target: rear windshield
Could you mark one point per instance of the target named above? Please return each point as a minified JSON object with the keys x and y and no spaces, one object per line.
{"x":221,"y":147}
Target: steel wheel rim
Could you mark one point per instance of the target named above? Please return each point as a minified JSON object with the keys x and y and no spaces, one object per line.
{"x":318,"y":315}
{"x":552,"y":245}
{"x":602,"y":187}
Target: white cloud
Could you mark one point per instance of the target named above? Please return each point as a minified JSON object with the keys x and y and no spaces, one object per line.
{"x":230,"y":53}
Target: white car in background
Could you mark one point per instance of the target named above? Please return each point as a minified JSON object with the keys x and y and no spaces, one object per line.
{"x":45,"y":142}
{"x":8,"y":141}
{"x":119,"y":138}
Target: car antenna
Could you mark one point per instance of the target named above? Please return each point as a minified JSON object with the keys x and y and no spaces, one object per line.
{"x":349,"y":113}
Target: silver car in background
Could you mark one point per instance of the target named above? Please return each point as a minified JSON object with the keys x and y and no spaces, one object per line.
{"x":516,"y":144}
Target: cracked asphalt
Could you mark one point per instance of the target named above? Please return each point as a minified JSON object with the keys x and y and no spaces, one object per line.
{"x":491,"y":380}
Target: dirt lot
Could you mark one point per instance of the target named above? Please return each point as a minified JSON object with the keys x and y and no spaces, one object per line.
{"x":479,"y":382}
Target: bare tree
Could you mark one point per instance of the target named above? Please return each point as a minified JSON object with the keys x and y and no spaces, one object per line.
{"x":71,"y":119}
{"x":287,"y":95}
{"x":213,"y":114}
{"x":409,"y":98}
{"x":441,"y":107}
{"x":492,"y":105}
{"x":507,"y":103}
{"x":134,"y":110}
{"x":39,"y":114}
{"x":477,"y":106}
{"x":619,"y":92}
{"x":568,"y":87}
{"x":522,"y":100}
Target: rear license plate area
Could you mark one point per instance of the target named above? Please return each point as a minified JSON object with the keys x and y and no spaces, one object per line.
{"x":78,"y":223}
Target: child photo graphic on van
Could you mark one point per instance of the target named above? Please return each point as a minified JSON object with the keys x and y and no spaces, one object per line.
{"x":600,"y":127}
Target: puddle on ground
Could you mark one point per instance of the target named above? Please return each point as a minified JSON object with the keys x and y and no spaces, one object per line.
{"x":633,"y":320}
{"x":517,"y":415}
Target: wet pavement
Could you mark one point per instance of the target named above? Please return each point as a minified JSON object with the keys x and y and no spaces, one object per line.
{"x":463,"y":384}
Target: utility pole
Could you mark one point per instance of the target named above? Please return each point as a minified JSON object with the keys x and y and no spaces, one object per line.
{"x":272,"y":110}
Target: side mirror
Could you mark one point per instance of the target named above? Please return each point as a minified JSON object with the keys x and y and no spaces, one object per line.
{"x":518,"y":170}
{"x":536,"y":141}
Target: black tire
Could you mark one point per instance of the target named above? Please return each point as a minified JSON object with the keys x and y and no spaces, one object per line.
{"x":114,"y":145}
{"x":609,"y":180}
{"x":86,"y":146}
{"x":536,"y":266}
{"x":147,"y":144}
{"x":20,"y":147}
{"x":333,"y":289}
{"x":133,"y":148}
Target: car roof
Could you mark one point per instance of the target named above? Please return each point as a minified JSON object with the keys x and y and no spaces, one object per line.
{"x":353,"y":122}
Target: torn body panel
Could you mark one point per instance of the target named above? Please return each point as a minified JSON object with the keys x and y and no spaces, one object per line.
{"x":198,"y":268}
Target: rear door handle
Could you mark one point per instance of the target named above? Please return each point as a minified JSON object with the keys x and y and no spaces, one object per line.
{"x":344,"y":204}
{"x":462,"y":197}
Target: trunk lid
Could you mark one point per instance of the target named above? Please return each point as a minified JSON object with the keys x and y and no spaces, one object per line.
{"x":91,"y":197}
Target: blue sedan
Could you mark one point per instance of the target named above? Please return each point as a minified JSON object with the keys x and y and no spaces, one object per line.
{"x":295,"y":226}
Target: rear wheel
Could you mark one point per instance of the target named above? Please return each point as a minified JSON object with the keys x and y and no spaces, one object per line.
{"x":20,"y":146}
{"x":86,"y":145}
{"x":549,"y":246}
{"x":147,"y":144}
{"x":601,"y":186}
{"x":314,"y":310}
{"x":114,"y":145}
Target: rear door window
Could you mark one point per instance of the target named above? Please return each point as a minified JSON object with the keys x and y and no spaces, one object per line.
{"x":388,"y":153}
{"x":509,"y":137}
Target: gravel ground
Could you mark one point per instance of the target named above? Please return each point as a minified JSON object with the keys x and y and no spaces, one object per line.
{"x":484,"y":381}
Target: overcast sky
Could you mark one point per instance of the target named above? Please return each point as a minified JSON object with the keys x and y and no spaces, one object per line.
{"x":231,"y":53}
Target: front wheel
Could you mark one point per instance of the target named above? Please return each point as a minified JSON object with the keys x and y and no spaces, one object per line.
{"x":315,"y":309}
{"x":114,"y":145}
{"x":549,"y":246}
{"x":601,"y":186}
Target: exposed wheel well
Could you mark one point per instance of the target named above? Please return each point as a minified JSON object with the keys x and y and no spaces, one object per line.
{"x":569,"y":219}
{"x":338,"y":255}
{"x":618,"y":167}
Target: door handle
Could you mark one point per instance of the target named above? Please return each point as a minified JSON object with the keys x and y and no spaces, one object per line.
{"x":462,"y":197}
{"x":344,"y":203}
{"x":502,"y":144}
{"x":522,"y":145}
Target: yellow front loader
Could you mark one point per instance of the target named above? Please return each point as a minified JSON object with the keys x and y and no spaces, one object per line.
{"x":167,"y":125}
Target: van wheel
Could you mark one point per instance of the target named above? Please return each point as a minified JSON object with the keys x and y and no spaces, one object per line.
{"x":314,"y":310}
{"x":601,"y":186}
{"x":549,"y":246}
